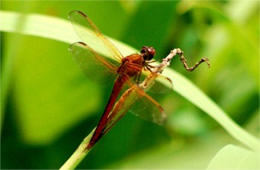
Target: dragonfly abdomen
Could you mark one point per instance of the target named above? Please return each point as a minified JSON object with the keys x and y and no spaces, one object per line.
{"x":120,"y":81}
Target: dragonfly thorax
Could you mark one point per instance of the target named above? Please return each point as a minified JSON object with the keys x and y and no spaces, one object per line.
{"x":131,"y":65}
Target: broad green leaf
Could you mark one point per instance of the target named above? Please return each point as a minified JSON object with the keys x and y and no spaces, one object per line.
{"x":234,"y":157}
{"x":48,"y":91}
{"x":61,"y":30}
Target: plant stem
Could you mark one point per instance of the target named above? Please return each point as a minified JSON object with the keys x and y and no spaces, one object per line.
{"x":79,"y":154}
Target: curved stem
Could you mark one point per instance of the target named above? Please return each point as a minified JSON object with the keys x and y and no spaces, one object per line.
{"x":79,"y":154}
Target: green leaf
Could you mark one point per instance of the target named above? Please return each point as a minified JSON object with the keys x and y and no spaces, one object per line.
{"x":48,"y":91}
{"x":61,"y":30}
{"x":234,"y":157}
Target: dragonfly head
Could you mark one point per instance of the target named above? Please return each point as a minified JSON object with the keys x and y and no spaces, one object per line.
{"x":147,"y":52}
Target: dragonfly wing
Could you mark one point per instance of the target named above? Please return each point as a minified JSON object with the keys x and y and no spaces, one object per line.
{"x":135,"y":100}
{"x":90,"y":34}
{"x":140,"y":104}
{"x":161,"y":85}
{"x":147,"y":108}
{"x":156,"y":83}
{"x":93,"y":65}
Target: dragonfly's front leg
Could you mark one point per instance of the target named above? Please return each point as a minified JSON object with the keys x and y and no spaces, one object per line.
{"x":148,"y":67}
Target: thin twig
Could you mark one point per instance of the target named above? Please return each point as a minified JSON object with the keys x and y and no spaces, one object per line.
{"x":166,"y":62}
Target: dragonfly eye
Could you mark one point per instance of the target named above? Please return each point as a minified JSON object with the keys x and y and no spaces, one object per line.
{"x":147,"y":52}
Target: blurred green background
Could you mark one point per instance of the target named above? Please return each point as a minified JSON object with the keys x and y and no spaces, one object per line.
{"x":51,"y":106}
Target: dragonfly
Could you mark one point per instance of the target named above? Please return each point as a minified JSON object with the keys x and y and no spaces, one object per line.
{"x":126,"y":73}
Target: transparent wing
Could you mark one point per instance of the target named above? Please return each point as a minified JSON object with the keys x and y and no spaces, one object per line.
{"x":147,"y":108}
{"x":162,"y":84}
{"x":140,"y":104}
{"x":92,"y":36}
{"x":93,"y":65}
{"x":158,"y":83}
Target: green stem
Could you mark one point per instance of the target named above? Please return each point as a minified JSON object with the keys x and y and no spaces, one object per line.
{"x":79,"y":154}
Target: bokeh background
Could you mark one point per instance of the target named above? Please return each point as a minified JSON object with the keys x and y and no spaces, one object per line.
{"x":50,"y":106}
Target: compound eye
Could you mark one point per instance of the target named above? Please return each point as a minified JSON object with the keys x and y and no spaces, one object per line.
{"x":144,"y":50}
{"x":150,"y":56}
{"x":146,"y":57}
{"x":148,"y":52}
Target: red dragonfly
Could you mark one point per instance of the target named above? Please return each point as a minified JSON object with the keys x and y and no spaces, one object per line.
{"x":126,"y":72}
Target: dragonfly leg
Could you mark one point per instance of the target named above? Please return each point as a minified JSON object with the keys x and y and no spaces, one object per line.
{"x":151,"y":61}
{"x":138,"y":77}
{"x":148,"y":67}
